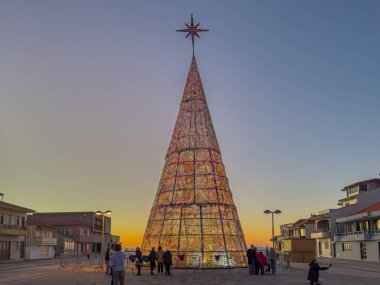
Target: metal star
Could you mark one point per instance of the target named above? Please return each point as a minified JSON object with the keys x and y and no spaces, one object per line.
{"x":192,"y":30}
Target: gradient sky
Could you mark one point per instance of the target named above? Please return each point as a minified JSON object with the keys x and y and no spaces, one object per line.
{"x":90,"y":90}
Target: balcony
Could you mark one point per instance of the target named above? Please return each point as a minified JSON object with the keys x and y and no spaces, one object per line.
{"x":321,"y":233}
{"x":45,"y":241}
{"x":12,"y":230}
{"x":358,"y":236}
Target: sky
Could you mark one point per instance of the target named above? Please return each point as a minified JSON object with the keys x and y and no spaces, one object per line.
{"x":90,"y":91}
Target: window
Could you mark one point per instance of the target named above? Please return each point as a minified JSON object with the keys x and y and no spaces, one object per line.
{"x":327,"y":246}
{"x":346,"y":246}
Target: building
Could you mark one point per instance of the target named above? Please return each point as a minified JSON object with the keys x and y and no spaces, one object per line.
{"x":193,"y":213}
{"x":41,"y":240}
{"x":295,"y":239}
{"x":13,"y":231}
{"x":359,"y":195}
{"x":358,"y":235}
{"x":322,"y":234}
{"x":354,"y":190}
{"x":81,"y":231}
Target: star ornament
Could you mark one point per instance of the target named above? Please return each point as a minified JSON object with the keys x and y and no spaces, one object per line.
{"x":192,"y":31}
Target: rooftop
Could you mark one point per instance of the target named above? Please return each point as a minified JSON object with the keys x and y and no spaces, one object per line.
{"x":13,"y":207}
{"x":364,"y":182}
{"x":372,"y":208}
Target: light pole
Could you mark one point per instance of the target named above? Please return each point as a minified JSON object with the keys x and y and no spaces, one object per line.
{"x":272,"y":212}
{"x":103,"y":214}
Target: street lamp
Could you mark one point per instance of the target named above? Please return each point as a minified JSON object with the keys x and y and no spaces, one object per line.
{"x":272,"y":212}
{"x":103,"y":214}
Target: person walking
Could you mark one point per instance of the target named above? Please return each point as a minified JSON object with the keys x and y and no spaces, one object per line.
{"x":167,"y":261}
{"x":152,"y":259}
{"x":313,"y":274}
{"x":160,"y":260}
{"x":107,"y":259}
{"x":251,"y":256}
{"x":138,"y":260}
{"x":117,"y":265}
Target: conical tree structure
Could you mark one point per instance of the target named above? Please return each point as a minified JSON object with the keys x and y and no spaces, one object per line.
{"x":193,"y":214}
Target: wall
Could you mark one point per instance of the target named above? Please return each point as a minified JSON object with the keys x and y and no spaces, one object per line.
{"x":34,"y":252}
{"x":373,"y":251}
{"x":354,"y":254}
{"x":325,"y":252}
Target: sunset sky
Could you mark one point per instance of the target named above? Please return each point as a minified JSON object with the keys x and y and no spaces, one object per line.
{"x":90,"y":90}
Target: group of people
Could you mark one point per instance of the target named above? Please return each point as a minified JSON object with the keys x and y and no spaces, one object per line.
{"x":115,"y":265}
{"x":258,"y":262}
{"x":162,"y":258}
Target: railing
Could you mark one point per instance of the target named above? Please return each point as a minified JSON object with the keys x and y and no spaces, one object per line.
{"x":353,"y":233}
{"x":45,"y":240}
{"x":13,"y":227}
{"x":80,"y":262}
{"x":321,"y":230}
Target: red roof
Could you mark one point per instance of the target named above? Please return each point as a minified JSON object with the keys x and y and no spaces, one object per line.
{"x":303,"y":222}
{"x":54,"y":221}
{"x":372,"y":208}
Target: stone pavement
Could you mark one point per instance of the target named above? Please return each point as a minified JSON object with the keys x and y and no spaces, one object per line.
{"x":342,"y":272}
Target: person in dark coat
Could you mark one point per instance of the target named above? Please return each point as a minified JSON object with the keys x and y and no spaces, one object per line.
{"x":107,"y":259}
{"x":313,"y":274}
{"x":251,"y":256}
{"x":167,"y":261}
{"x":139,"y":260}
{"x":152,"y":259}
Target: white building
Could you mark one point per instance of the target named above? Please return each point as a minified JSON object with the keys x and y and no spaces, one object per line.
{"x":358,"y":235}
{"x":41,"y":241}
{"x":12,"y":231}
{"x":359,"y":195}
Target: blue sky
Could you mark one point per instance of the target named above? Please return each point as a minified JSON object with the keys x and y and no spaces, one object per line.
{"x":90,"y":90}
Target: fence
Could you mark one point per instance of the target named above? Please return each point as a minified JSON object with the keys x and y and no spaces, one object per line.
{"x":79,"y":262}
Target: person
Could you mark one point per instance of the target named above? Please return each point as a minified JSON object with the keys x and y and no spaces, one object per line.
{"x":257,"y":263}
{"x":273,"y":257}
{"x":160,"y":260}
{"x":152,"y":259}
{"x":107,"y":259}
{"x":251,"y":256}
{"x":167,"y":261}
{"x":112,"y":251}
{"x":262,"y":260}
{"x":117,"y":265}
{"x":287,"y":259}
{"x":313,"y":274}
{"x":138,"y":260}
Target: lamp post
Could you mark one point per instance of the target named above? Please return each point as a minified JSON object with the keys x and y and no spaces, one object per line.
{"x":272,"y":212}
{"x":103,"y":214}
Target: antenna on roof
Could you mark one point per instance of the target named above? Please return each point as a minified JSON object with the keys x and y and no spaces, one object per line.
{"x":2,"y":196}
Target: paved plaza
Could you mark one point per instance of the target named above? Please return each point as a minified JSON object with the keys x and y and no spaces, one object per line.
{"x":41,"y":273}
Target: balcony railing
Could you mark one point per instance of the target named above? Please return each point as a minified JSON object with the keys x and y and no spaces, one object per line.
{"x":46,"y":241}
{"x":358,"y":235}
{"x":12,"y":227}
{"x":320,"y":233}
{"x":12,"y":230}
{"x":321,"y":230}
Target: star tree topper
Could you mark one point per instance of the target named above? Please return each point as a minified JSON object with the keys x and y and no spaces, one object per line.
{"x":192,"y":31}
